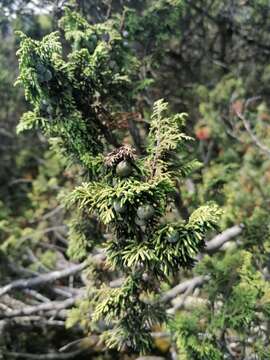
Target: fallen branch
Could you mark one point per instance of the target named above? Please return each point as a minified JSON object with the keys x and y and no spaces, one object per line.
{"x":50,"y":356}
{"x":37,"y":321}
{"x":48,"y":306}
{"x":42,"y":279}
{"x":36,"y":295}
{"x":190,"y":302}
{"x":218,"y":241}
{"x":183,"y":287}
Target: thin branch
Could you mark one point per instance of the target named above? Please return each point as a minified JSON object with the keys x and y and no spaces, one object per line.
{"x":181,"y":302}
{"x":37,"y":321}
{"x":109,"y":9}
{"x":48,"y":306}
{"x":59,"y":290}
{"x":52,"y":212}
{"x":64,"y":291}
{"x":188,"y":302}
{"x":50,"y":356}
{"x":71,"y":344}
{"x":43,"y":232}
{"x":6,"y":133}
{"x":182,"y":287}
{"x":156,"y":156}
{"x":36,"y":261}
{"x":4,"y":307}
{"x":254,"y":138}
{"x":218,"y":241}
{"x":42,"y":279}
{"x":150,"y":358}
{"x":36,"y":295}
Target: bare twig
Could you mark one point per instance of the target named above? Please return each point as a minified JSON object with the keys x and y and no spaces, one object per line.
{"x":36,"y":295}
{"x":218,"y":241}
{"x":42,"y":279}
{"x":188,"y":302}
{"x":50,"y":356}
{"x":189,"y":291}
{"x":48,"y":306}
{"x":52,"y":212}
{"x":35,"y":320}
{"x":71,"y":344}
{"x":254,"y":138}
{"x":6,"y":133}
{"x":150,"y":358}
{"x":4,"y":307}
{"x":182,"y":287}
{"x":109,"y":9}
{"x":43,"y":232}
{"x":36,"y":261}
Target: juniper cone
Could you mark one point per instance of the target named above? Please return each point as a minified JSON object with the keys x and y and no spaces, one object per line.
{"x":118,"y":207}
{"x":173,"y":236}
{"x":86,"y":95}
{"x":145,"y":212}
{"x":123,"y":169}
{"x":139,"y":222}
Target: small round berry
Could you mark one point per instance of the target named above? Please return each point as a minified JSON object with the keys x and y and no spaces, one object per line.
{"x":173,"y":237}
{"x":120,"y":209}
{"x":123,"y":169}
{"x":145,"y":212}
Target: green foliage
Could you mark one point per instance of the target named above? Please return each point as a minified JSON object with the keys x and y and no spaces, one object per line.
{"x":156,"y":25}
{"x":69,"y":95}
{"x":191,"y":339}
{"x":237,"y":300}
{"x":164,"y":137}
{"x":133,"y":317}
{"x":76,"y":91}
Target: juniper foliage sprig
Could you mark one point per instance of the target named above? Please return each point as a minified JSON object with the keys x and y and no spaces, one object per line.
{"x":74,"y":101}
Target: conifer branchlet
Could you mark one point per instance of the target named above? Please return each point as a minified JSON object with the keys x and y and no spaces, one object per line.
{"x":129,"y":194}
